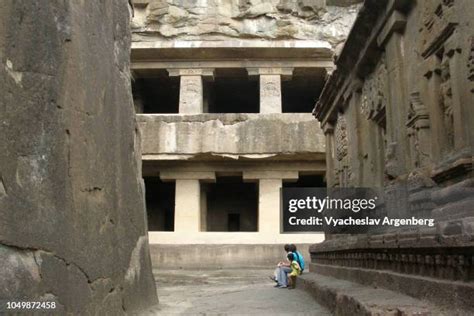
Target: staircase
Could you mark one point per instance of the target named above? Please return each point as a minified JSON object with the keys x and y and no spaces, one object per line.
{"x":369,"y":292}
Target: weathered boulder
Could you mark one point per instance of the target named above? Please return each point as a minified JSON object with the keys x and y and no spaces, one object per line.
{"x":72,"y":217}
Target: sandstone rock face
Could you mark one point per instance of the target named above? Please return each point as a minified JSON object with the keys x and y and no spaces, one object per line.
{"x":244,"y":19}
{"x":72,"y":218}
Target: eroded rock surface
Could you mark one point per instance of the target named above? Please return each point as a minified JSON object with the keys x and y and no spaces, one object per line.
{"x":72,"y":218}
{"x":244,"y":19}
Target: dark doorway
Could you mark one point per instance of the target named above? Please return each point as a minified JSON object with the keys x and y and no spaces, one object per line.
{"x":232,"y":205}
{"x":233,"y":222}
{"x":160,"y":204}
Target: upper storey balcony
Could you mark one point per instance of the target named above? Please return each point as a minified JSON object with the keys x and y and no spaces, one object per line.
{"x":206,"y":106}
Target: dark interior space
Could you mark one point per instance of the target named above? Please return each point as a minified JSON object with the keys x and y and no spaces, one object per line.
{"x":306,"y":181}
{"x":300,"y":93}
{"x":232,"y":205}
{"x":159,"y":94}
{"x":160,"y":201}
{"x":231,"y":91}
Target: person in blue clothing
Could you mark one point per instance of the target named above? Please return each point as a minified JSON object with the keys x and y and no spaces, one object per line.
{"x":298,"y":256}
{"x":284,"y":267}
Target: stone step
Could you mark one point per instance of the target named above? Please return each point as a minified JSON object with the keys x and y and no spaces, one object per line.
{"x":457,"y":296}
{"x":342,"y":297}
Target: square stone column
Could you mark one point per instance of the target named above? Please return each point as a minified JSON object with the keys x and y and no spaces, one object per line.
{"x":190,"y":95}
{"x":187,"y":211}
{"x":270,"y":87}
{"x":270,"y":94}
{"x":191,"y":91}
{"x":269,"y":185}
{"x":269,"y":205}
{"x":188,"y":201}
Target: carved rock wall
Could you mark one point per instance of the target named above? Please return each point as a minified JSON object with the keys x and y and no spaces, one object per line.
{"x":403,"y":91}
{"x":72,"y":217}
{"x":413,"y":104}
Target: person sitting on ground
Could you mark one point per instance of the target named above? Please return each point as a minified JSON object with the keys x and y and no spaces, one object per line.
{"x":295,"y":270}
{"x":283,"y":267}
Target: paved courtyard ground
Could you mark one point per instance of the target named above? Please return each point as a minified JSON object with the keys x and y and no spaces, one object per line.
{"x":228,"y":292}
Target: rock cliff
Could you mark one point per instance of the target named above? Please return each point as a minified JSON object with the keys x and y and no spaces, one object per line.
{"x":243,"y":19}
{"x":72,"y":216}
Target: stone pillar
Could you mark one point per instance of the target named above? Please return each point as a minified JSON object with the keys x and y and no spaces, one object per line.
{"x":391,"y":37}
{"x":270,"y":183}
{"x":270,"y":87}
{"x":187,"y":212}
{"x":269,"y":205}
{"x":190,"y":95}
{"x":270,"y":94}
{"x":432,"y":82}
{"x":188,"y":202}
{"x":328,"y":130}
{"x":191,"y":90}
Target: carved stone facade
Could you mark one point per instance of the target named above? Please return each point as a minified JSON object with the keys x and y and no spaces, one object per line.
{"x":404,"y":89}
{"x":224,"y":92}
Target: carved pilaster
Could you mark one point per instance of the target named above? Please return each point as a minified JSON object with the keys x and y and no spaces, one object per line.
{"x":191,"y":89}
{"x":372,"y":122}
{"x":342,"y":168}
{"x":374,"y":95}
{"x":418,"y":131}
{"x":191,"y":95}
{"x":270,"y":87}
{"x":396,"y":150}
{"x":270,"y":94}
{"x":328,"y":130}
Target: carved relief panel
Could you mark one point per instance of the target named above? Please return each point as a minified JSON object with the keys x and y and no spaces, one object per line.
{"x":441,"y":49}
{"x":438,"y":22}
{"x":342,"y":170}
{"x":374,"y":95}
{"x":418,"y":131}
{"x":373,"y":104}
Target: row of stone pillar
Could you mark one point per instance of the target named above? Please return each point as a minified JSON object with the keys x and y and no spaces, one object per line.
{"x":191,"y":93}
{"x":188,"y":206}
{"x":189,"y":212}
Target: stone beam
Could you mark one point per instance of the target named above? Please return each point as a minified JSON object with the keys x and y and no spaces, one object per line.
{"x":257,"y":175}
{"x":188,"y":175}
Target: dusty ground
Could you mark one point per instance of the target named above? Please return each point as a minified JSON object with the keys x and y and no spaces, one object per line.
{"x":228,"y":292}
